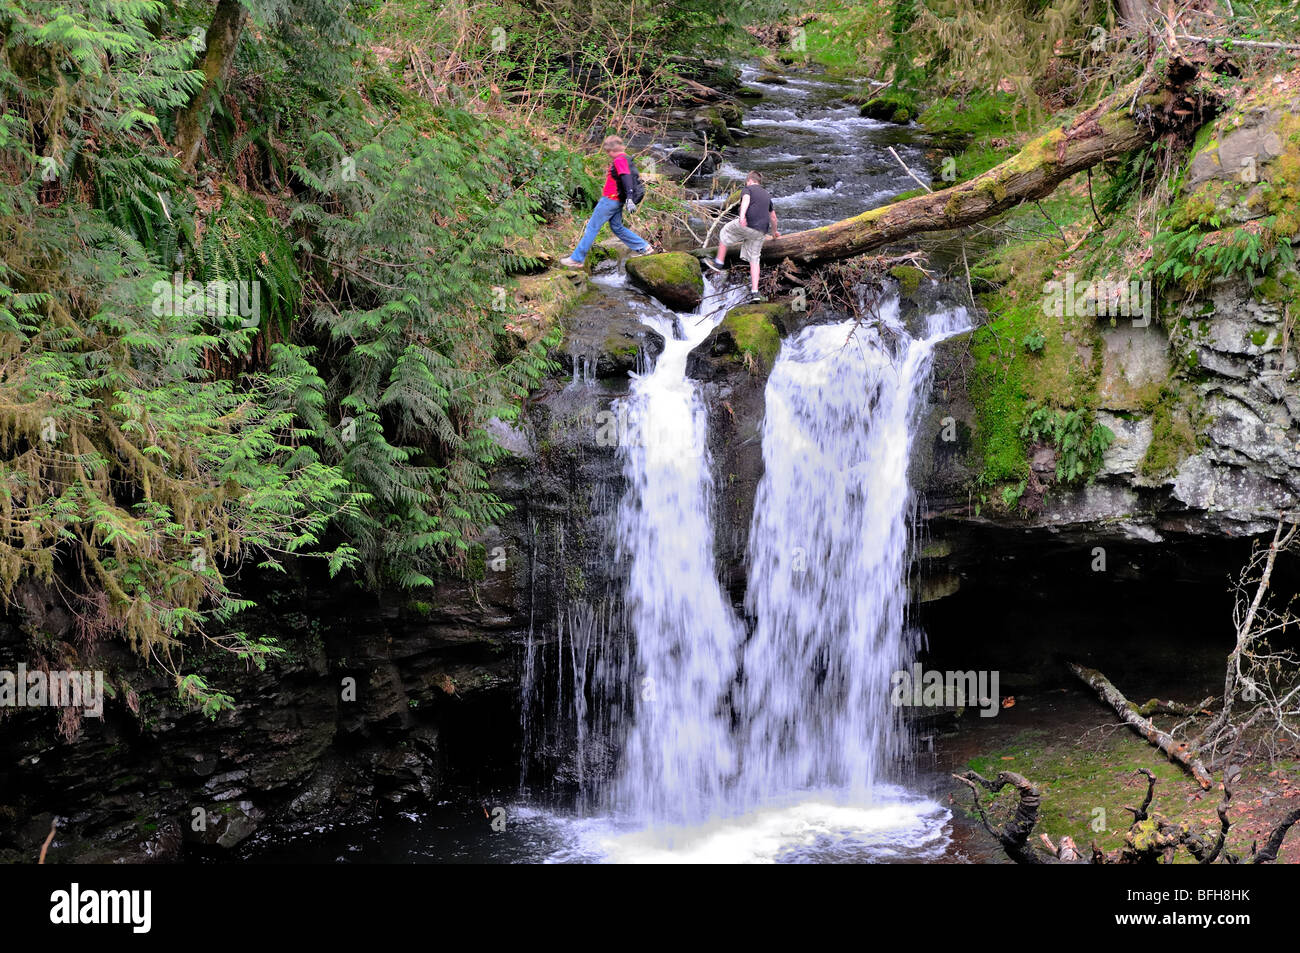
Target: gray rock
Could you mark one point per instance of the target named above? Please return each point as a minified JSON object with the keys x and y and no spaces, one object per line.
{"x":1132,"y":437}
{"x":1132,"y":359}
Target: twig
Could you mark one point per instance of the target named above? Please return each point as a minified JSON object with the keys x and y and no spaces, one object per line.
{"x":1093,"y":203}
{"x":909,"y":171}
{"x":54,"y":824}
{"x":1230,"y":41}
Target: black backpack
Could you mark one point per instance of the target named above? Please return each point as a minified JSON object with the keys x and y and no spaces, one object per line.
{"x":638,"y":190}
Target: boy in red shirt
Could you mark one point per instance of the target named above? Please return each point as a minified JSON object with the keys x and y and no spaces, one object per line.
{"x":614,"y":199}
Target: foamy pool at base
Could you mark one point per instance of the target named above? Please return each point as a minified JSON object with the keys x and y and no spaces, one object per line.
{"x":898,"y":827}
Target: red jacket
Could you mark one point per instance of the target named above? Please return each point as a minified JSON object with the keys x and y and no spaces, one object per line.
{"x":621,"y":168}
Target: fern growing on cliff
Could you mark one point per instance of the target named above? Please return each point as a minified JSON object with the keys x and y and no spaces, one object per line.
{"x":152,"y":440}
{"x":1079,"y":441}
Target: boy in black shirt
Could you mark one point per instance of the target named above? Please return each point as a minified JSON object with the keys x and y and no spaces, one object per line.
{"x":749,"y":229}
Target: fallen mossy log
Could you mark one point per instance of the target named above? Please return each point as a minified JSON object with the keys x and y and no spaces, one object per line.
{"x":1131,"y":117}
{"x":1177,"y":751}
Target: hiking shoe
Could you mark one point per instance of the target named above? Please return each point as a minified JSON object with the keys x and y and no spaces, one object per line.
{"x":569,"y":262}
{"x":648,"y":250}
{"x":712,"y":265}
{"x":756,"y":297}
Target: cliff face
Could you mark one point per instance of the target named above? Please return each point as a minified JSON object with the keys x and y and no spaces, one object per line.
{"x":1228,"y":444}
{"x":362,"y":710}
{"x":1202,"y":395}
{"x":381,"y":700}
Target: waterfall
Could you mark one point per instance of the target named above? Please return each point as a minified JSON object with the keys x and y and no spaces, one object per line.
{"x":679,"y":753}
{"x":763,"y":736}
{"x":828,"y":553}
{"x":722,"y":723}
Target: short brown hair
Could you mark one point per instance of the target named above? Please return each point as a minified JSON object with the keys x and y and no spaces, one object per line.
{"x":614,"y":143}
{"x":755,"y":177}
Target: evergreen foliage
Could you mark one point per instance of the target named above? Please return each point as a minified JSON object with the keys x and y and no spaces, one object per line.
{"x":155,"y":439}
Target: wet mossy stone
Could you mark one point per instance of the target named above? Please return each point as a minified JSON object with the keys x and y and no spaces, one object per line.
{"x":605,"y":339}
{"x":891,"y":107}
{"x":908,"y":278}
{"x":712,"y":125}
{"x":672,"y":277}
{"x":749,"y":338}
{"x":599,"y":254}
{"x":754,"y":329}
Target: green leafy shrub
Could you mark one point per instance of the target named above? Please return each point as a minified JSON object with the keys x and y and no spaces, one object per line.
{"x":1079,"y":441}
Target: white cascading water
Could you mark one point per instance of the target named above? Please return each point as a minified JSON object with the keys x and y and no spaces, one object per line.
{"x":769,"y":746}
{"x":679,"y":753}
{"x":829,"y":552}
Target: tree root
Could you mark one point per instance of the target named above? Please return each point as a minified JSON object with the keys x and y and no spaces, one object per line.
{"x":1150,"y":839}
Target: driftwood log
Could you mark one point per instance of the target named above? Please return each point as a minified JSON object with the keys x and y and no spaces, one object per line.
{"x":1176,"y":750}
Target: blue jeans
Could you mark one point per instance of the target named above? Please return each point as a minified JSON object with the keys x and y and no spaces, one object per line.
{"x":607,"y":210}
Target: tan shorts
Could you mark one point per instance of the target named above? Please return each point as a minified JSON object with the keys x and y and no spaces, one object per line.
{"x":749,"y":239}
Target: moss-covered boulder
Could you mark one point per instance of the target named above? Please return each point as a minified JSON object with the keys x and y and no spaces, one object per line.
{"x":748,"y":338}
{"x":672,"y":277}
{"x":1246,"y":166}
{"x":890,"y":107}
{"x":908,"y":277}
{"x":711,"y":123}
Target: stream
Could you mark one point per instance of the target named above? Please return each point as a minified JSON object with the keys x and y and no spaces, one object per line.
{"x":762,"y":732}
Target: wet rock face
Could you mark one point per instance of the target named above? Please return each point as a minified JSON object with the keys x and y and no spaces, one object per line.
{"x":732,"y":365}
{"x":351,"y":717}
{"x":381,"y":701}
{"x":733,"y":396}
{"x":604,"y":341}
{"x":1206,"y":419}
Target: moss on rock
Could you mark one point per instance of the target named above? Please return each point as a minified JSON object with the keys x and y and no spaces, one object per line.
{"x":747,"y":340}
{"x":893,"y":106}
{"x":753,"y":327}
{"x":1173,"y":435}
{"x":908,"y":278}
{"x":672,"y":277}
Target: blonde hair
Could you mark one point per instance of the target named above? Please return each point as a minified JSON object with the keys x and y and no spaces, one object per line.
{"x":612,"y":143}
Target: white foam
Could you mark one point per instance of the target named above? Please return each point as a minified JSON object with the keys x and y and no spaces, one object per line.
{"x":818,"y":828}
